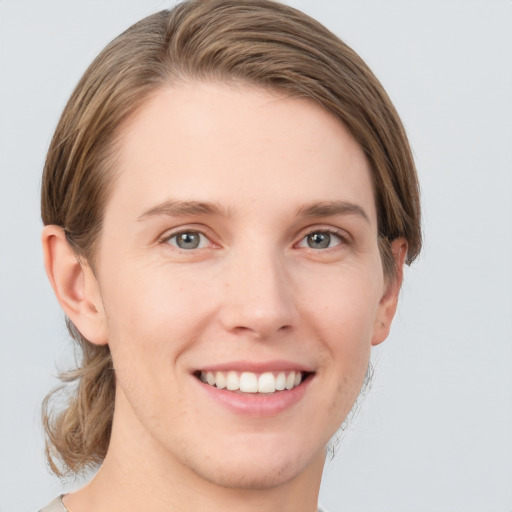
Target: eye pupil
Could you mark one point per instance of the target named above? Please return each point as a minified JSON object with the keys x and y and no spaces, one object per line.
{"x":319,"y":240}
{"x":187,"y":240}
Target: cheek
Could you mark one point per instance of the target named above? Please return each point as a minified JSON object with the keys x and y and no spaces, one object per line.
{"x":344,"y":302}
{"x":151,"y":322}
{"x":153,"y":316}
{"x":342,"y":316}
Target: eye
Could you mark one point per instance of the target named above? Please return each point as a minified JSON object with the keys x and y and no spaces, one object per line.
{"x":321,"y":240}
{"x":188,"y":240}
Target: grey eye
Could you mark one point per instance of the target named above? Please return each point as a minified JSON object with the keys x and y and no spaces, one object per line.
{"x":319,"y":240}
{"x":188,"y":240}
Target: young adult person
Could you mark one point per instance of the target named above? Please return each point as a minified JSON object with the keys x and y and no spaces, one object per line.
{"x":229,"y":199}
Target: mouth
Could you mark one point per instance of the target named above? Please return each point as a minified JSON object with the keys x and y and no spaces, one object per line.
{"x":254,"y":383}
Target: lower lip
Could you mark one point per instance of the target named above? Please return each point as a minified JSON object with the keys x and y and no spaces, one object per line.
{"x":257,"y":404}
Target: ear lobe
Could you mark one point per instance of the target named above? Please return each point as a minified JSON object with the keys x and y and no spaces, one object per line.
{"x":388,"y":303}
{"x":75,"y":286}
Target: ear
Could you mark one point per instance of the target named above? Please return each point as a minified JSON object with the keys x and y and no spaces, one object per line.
{"x":75,"y":286}
{"x":388,"y":303}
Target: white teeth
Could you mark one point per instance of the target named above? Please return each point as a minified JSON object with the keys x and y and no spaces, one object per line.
{"x":280,"y":381}
{"x":232,"y":381}
{"x":220,"y":380}
{"x":290,"y":380}
{"x":266,"y":383}
{"x":249,"y":382}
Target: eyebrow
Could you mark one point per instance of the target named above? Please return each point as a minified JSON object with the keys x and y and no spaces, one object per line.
{"x":332,"y":208}
{"x":174,"y":208}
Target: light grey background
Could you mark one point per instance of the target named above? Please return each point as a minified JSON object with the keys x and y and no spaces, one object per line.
{"x":435,"y":432}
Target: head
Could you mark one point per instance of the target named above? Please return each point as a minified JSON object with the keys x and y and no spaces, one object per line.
{"x":208,"y":54}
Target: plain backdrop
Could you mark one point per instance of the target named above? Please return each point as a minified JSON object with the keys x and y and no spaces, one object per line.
{"x":435,"y":432}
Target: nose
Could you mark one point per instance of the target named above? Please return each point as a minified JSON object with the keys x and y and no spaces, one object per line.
{"x":258,"y":297}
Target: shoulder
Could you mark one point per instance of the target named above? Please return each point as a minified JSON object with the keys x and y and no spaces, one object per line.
{"x":55,"y":506}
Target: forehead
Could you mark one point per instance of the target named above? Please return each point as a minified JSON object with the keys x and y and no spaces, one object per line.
{"x":240,"y":146}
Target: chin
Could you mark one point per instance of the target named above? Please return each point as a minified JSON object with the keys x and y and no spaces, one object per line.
{"x":251,"y":476}
{"x":246,"y":468}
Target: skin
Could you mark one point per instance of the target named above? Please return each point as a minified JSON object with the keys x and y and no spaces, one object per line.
{"x":252,"y":291}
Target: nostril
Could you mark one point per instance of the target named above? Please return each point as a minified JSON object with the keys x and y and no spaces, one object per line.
{"x":261,"y":331}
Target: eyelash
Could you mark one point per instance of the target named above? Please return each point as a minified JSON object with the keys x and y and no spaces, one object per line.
{"x":342,"y":237}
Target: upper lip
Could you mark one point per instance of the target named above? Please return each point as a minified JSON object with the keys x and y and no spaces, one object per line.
{"x":256,"y":367}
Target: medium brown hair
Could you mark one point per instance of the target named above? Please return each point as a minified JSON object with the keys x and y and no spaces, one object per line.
{"x":259,"y":42}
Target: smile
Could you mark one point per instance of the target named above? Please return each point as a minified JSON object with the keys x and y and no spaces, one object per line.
{"x":249,"y":382}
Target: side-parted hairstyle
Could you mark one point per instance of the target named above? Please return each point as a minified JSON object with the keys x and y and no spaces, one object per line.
{"x":257,"y":42}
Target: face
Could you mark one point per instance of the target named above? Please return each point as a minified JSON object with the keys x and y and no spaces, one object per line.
{"x":240,"y":281}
